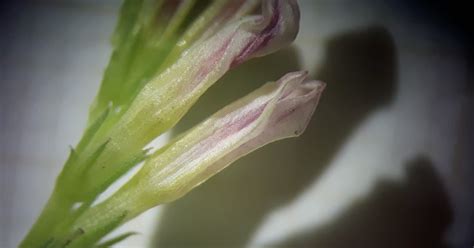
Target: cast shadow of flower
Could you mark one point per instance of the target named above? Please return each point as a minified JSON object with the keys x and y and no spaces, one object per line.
{"x":413,"y":213}
{"x":361,"y":71}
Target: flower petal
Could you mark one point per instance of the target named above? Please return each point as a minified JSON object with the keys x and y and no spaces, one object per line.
{"x":278,"y":27}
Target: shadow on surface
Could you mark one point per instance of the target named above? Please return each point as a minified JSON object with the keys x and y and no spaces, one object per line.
{"x":413,"y":213}
{"x":360,"y":68}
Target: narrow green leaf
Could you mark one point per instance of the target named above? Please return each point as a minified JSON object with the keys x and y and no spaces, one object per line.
{"x":107,"y":178}
{"x":48,"y":244}
{"x":92,"y":130}
{"x":115,"y":240}
{"x":129,"y":13}
{"x":90,"y":237}
{"x":76,"y":234}
{"x":90,"y":161}
{"x":72,"y":158}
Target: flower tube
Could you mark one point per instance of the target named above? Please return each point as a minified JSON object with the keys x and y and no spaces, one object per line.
{"x":275,"y":111}
{"x":166,"y":54}
{"x":163,"y":101}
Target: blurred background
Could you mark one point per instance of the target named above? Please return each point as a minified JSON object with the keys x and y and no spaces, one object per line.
{"x":386,"y":161}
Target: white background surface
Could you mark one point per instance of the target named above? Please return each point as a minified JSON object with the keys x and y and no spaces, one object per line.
{"x":390,"y":140}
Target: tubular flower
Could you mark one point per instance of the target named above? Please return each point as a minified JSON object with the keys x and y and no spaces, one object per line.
{"x":162,"y":101}
{"x":275,"y":111}
{"x":166,"y":54}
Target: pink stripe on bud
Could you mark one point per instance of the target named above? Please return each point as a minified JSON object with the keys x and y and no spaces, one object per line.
{"x":275,"y":111}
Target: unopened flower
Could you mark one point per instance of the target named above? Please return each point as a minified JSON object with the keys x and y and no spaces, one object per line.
{"x":275,"y":111}
{"x":166,"y":54}
{"x":166,"y":97}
